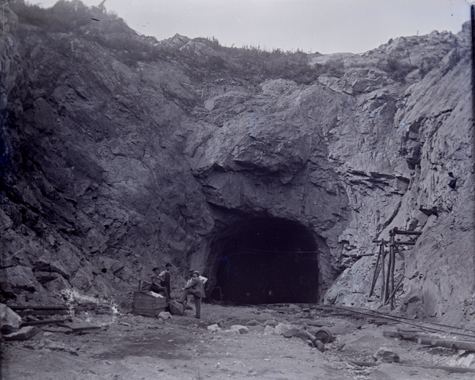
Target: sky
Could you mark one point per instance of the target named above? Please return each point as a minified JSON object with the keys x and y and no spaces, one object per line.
{"x":324,"y":26}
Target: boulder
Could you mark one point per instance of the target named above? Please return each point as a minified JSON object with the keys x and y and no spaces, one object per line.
{"x":18,"y":278}
{"x":24,"y":333}
{"x":270,"y":322}
{"x":214,"y":328}
{"x":386,"y":355}
{"x":164,"y":315}
{"x":176,"y":308}
{"x":269,"y":330}
{"x":8,"y":318}
{"x":241,"y":329}
{"x":282,"y":328}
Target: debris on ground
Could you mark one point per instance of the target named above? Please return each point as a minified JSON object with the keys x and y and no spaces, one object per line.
{"x":23,"y":334}
{"x":214,"y":328}
{"x":240,"y":329}
{"x":164,"y":315}
{"x":386,"y":355}
{"x":230,"y":342}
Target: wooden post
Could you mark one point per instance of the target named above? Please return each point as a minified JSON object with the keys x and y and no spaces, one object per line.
{"x":387,"y":288}
{"x":391,"y":297}
{"x":377,"y":269}
{"x":392,"y":265}
{"x":383,"y":287}
{"x":388,"y":276}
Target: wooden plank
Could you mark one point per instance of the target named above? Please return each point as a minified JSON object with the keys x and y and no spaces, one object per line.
{"x":46,"y":322}
{"x":405,"y":243}
{"x":392,"y":334}
{"x":454,"y":369}
{"x":38,"y":307}
{"x":405,"y":232}
{"x":42,"y":312}
{"x":462,"y":345}
{"x":375,"y":314}
{"x":85,"y":329}
{"x":447,"y":343}
{"x":408,"y":334}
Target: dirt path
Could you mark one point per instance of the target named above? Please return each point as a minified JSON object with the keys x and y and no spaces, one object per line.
{"x":135,"y":347}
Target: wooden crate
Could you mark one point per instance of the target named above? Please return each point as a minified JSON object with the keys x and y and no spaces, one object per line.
{"x":147,"y":305}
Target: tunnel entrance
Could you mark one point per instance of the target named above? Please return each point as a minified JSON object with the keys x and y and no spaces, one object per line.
{"x":267,"y":261}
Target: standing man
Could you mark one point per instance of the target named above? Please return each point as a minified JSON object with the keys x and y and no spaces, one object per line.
{"x":194,"y":287}
{"x":156,"y":285}
{"x":165,"y":279}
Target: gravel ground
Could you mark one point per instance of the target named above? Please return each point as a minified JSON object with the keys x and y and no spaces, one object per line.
{"x":136,"y":347}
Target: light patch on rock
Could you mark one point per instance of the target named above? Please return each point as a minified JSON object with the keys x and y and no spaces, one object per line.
{"x":282,"y":328}
{"x":8,"y":317}
{"x":164,"y":315}
{"x":269,"y":330}
{"x":241,"y":329}
{"x":214,"y":328}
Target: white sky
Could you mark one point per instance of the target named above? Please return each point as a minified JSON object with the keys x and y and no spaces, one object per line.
{"x":326,"y":26}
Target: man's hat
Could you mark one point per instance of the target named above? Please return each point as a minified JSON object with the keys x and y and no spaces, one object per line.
{"x":196,"y":272}
{"x":192,"y":271}
{"x":168,"y":265}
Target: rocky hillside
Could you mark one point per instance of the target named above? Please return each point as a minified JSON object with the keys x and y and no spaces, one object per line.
{"x":121,"y":153}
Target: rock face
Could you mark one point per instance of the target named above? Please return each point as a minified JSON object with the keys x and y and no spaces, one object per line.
{"x":120,"y":153}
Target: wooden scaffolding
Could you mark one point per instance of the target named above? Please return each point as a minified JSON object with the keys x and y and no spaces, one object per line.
{"x":388,"y":288}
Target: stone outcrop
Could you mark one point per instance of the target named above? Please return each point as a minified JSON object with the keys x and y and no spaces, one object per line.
{"x":118,"y":158}
{"x":9,"y":320}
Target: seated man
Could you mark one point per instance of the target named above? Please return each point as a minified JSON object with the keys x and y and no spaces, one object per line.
{"x":195,"y":287}
{"x":156,"y":283}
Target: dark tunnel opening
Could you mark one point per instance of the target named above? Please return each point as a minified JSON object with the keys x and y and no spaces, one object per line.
{"x":267,"y":261}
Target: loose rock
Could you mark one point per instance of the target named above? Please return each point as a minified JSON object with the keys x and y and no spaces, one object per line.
{"x":282,"y":328}
{"x":241,"y":329}
{"x":8,"y":318}
{"x":214,"y":328}
{"x":164,"y":315}
{"x":386,"y":355}
{"x":24,"y":333}
{"x":269,"y":330}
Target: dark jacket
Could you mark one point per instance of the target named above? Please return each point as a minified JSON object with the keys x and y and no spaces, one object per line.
{"x":196,"y":287}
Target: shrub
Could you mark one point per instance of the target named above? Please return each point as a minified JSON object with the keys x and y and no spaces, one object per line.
{"x":64,"y":16}
{"x":397,"y":69}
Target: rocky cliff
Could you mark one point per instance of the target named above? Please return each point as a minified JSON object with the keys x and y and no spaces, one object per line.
{"x":121,"y":153}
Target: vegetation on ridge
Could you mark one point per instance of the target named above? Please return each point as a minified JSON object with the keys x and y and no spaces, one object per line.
{"x":96,"y":25}
{"x":108,"y":30}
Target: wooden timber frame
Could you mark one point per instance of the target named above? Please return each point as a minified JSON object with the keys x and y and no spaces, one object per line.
{"x":388,"y":288}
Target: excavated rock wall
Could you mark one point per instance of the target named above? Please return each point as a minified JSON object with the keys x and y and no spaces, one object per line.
{"x":111,"y":167}
{"x":435,"y":127}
